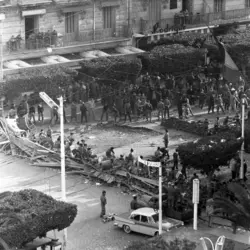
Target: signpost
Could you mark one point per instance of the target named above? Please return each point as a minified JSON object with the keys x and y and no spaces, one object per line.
{"x":196,"y":196}
{"x":159,"y":166}
{"x":48,"y":100}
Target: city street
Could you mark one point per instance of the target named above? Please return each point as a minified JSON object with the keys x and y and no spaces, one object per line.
{"x":88,"y":231}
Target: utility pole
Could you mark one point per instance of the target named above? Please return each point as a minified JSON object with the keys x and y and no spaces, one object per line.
{"x":242,"y":135}
{"x":63,"y":181}
{"x":2,"y":17}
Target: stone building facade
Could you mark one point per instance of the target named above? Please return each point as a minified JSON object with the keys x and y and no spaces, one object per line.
{"x":74,"y":20}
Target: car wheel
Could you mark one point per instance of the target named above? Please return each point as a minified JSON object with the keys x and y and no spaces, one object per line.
{"x":156,"y":233}
{"x":126,"y":229}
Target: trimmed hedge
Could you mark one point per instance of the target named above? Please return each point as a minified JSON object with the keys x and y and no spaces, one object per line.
{"x":172,"y":59}
{"x":192,"y":127}
{"x":115,"y":68}
{"x":47,"y":79}
{"x":39,"y":214}
{"x":198,"y":128}
{"x":210,"y":152}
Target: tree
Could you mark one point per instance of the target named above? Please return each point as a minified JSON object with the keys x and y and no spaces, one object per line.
{"x":210,"y":152}
{"x":174,"y":58}
{"x":28,"y":214}
{"x":238,"y":210}
{"x":48,"y":79}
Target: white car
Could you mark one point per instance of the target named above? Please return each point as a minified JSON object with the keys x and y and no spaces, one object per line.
{"x":145,"y":220}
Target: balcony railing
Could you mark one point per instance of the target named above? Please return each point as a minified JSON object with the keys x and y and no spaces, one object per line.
{"x":45,"y":40}
{"x":33,"y":2}
{"x":180,"y":20}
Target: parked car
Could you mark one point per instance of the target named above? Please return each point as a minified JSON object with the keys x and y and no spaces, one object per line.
{"x":146,"y":221}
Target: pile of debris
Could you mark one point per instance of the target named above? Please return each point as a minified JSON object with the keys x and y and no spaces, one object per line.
{"x":12,"y":141}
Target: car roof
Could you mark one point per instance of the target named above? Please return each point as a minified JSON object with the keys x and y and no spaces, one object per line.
{"x":146,"y":211}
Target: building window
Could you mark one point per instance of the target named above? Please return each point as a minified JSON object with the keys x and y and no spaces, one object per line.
{"x":108,"y":17}
{"x":218,"y":5}
{"x":70,"y":19}
{"x":173,"y":4}
{"x":247,"y":3}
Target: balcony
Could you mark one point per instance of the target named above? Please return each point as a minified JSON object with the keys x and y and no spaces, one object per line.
{"x":198,"y":20}
{"x":33,"y":2}
{"x":37,"y":45}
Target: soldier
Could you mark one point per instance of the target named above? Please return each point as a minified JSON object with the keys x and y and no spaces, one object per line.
{"x":166,"y":138}
{"x":160,"y":108}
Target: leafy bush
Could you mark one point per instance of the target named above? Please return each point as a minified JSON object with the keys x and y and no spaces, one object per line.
{"x":210,"y":152}
{"x":160,"y":243}
{"x":38,"y":213}
{"x":172,"y":58}
{"x":115,"y":68}
{"x":193,"y":127}
{"x":187,"y":39}
{"x":47,"y":79}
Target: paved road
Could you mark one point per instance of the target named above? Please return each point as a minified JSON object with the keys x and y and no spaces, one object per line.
{"x":87,"y":232}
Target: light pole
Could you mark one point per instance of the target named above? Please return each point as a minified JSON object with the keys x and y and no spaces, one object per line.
{"x":242,"y":135}
{"x":63,"y":181}
{"x":196,"y":196}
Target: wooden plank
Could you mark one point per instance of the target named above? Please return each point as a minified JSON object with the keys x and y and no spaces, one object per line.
{"x":142,"y":190}
{"x":4,"y":142}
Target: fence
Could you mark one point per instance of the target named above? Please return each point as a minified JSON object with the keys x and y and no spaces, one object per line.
{"x":180,"y":20}
{"x":45,"y":40}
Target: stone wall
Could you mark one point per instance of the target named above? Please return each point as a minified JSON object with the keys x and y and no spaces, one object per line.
{"x":14,"y":23}
{"x":140,"y":10}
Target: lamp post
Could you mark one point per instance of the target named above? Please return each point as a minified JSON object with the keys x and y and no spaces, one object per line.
{"x":63,"y":181}
{"x":242,"y":135}
{"x":196,"y":196}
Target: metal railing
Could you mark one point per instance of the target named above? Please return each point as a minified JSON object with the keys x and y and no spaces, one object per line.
{"x":47,"y":40}
{"x":196,"y":20}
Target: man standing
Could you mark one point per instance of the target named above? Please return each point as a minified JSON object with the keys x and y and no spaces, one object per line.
{"x":166,"y":107}
{"x":166,"y":138}
{"x":160,"y":107}
{"x":32,"y":112}
{"x":83,"y":110}
{"x":73,"y":112}
{"x":40,"y":111}
{"x":149,"y":109}
{"x":105,"y":111}
{"x":133,"y":203}
{"x":103,"y":203}
{"x":175,"y":158}
{"x":127,"y":111}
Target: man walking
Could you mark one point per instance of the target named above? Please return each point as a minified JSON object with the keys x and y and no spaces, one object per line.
{"x":103,"y":203}
{"x":83,"y":110}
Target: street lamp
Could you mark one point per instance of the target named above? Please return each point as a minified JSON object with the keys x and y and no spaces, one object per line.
{"x":218,"y":245}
